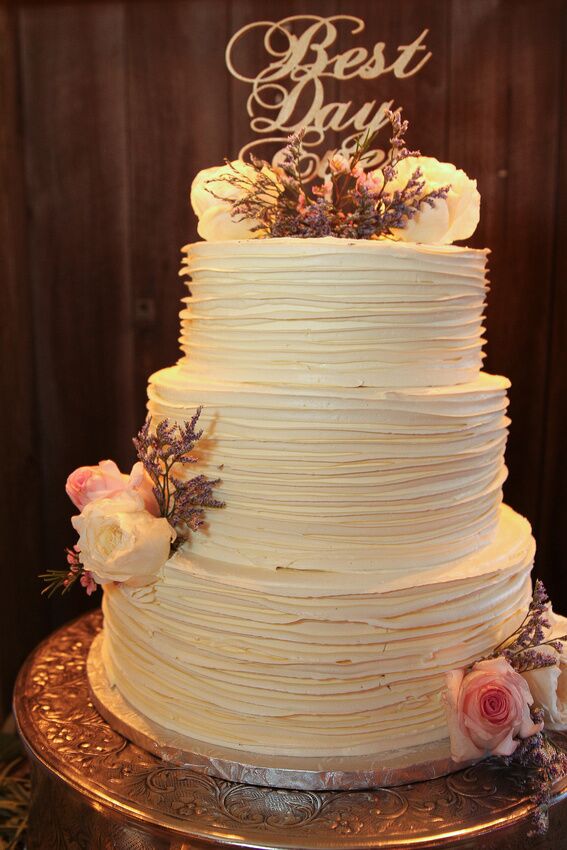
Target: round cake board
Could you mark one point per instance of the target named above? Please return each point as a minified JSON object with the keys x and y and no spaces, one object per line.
{"x":337,"y":773}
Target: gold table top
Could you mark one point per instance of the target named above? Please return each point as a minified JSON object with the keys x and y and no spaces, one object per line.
{"x":94,"y":790}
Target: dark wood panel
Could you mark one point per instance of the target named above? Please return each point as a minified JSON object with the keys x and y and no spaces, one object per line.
{"x":24,"y":614}
{"x":178,"y":108}
{"x":477,"y":115}
{"x":478,"y":127}
{"x":521,"y":308}
{"x":73,"y":77}
{"x":503,"y":118}
{"x":552,"y":493}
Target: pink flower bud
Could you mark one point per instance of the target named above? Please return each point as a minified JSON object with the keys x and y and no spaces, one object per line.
{"x":339,"y":164}
{"x":88,"y":582}
{"x":373,"y":182}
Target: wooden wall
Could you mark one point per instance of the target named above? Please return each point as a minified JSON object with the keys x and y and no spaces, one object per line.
{"x":108,"y":109}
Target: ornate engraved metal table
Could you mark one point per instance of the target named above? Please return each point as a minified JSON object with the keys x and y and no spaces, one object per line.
{"x":94,"y":790}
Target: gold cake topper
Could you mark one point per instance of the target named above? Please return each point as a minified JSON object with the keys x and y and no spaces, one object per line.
{"x":289,"y":92}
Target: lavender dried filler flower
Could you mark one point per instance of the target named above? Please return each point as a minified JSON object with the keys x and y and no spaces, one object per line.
{"x":525,"y":649}
{"x":350,"y":204}
{"x":545,"y":764}
{"x":181,"y":501}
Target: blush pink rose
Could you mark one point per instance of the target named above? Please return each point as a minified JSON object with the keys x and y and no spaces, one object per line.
{"x":88,"y":483}
{"x":488,"y":710}
{"x":105,"y":480}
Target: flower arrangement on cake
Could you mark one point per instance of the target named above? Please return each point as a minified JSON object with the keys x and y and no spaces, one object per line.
{"x":129,"y":525}
{"x":410,"y":198}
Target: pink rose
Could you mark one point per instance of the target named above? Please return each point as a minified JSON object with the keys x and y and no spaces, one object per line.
{"x":104,"y":481}
{"x":95,"y":482}
{"x":488,"y":710}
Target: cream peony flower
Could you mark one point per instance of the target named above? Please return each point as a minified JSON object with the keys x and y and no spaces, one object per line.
{"x":549,"y":684}
{"x":216,"y":224}
{"x":120,"y":541}
{"x":214,"y":178}
{"x":452,"y":218}
{"x":213,"y":210}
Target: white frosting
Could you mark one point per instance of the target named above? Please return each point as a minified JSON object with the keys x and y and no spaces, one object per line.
{"x":382,"y":480}
{"x":334,"y":312}
{"x":300,"y":663}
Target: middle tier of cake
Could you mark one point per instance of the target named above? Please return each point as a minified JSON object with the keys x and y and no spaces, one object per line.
{"x":380,"y":480}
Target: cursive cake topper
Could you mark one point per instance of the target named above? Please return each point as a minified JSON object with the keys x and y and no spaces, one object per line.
{"x":288,"y":93}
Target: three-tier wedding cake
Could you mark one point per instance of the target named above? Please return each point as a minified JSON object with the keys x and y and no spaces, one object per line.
{"x":310,"y":568}
{"x":363,"y":550}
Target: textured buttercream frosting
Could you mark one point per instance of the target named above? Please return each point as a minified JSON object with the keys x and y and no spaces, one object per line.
{"x":334,"y":312}
{"x":364,"y":549}
{"x":343,"y":404}
{"x":335,"y":478}
{"x":295,"y":663}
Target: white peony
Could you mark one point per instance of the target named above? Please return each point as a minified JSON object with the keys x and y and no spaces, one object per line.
{"x":212,"y":196}
{"x":216,"y":224}
{"x":121,"y":541}
{"x":452,"y":218}
{"x":214,"y":179}
{"x":549,"y":684}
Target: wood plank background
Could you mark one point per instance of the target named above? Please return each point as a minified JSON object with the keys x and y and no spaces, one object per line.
{"x":108,"y":109}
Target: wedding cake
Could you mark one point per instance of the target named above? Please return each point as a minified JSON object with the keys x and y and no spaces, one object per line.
{"x":363,"y":550}
{"x":324,"y":567}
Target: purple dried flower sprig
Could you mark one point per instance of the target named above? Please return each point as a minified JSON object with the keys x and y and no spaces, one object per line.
{"x":527,"y":648}
{"x":260,"y":194}
{"x":182,"y":501}
{"x":351,"y":204}
{"x":547,"y":763}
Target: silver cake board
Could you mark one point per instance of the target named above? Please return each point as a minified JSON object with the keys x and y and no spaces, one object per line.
{"x":344,"y":773}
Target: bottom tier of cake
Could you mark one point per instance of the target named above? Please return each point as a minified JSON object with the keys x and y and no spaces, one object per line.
{"x":309,"y":663}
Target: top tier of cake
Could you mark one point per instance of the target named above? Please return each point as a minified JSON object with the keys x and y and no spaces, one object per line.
{"x":334,"y":312}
